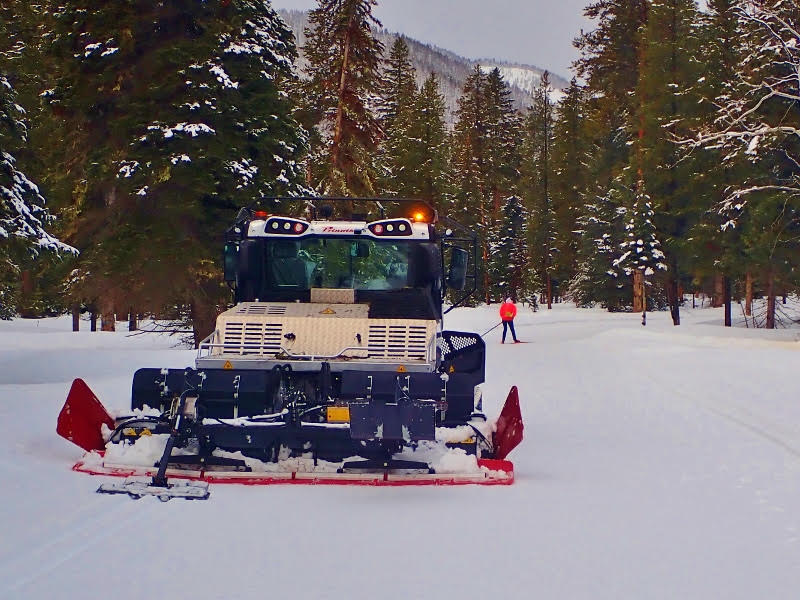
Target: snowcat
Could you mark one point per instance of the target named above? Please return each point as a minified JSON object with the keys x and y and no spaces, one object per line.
{"x":332,"y":366}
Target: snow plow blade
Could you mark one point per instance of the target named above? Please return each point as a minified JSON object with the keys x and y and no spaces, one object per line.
{"x":82,"y":417}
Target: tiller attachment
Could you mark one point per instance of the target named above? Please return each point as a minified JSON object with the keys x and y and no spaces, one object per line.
{"x":217,"y":443}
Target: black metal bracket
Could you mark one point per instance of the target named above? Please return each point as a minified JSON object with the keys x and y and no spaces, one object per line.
{"x":466,"y":240}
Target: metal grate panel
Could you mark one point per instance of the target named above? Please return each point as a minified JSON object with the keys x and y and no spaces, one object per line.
{"x":251,"y":338}
{"x":398,"y":341}
{"x":260,"y":309}
{"x":321,"y":331}
{"x":452,"y":343}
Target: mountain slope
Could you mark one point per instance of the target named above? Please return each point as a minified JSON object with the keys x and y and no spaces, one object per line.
{"x":451,"y":68}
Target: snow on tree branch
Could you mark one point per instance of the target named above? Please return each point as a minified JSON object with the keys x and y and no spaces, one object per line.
{"x":758,"y":122}
{"x":22,"y":213}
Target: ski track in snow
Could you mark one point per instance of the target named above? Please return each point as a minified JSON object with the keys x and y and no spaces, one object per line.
{"x":658,"y":462}
{"x":82,"y":534}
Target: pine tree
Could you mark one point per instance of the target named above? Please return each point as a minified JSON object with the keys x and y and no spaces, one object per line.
{"x":398,"y":84}
{"x":344,"y":58}
{"x":569,"y":159}
{"x":502,"y":138}
{"x":178,"y":116}
{"x":716,"y":251}
{"x":23,"y":217}
{"x":537,"y":178}
{"x":609,"y":63}
{"x":666,"y":97}
{"x":758,"y":122}
{"x":396,"y":111}
{"x":418,"y":151}
{"x":485,"y":159}
{"x":601,"y":231}
{"x":512,"y":274}
{"x":431,"y":148}
{"x":639,"y":255}
{"x":24,"y":29}
{"x":471,"y":204}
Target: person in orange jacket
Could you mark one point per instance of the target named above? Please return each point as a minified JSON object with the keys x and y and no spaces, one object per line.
{"x":508,"y":310}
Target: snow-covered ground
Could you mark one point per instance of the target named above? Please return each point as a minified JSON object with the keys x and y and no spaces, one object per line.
{"x":659,"y":462}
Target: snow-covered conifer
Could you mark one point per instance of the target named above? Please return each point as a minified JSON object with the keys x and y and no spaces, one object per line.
{"x":537,"y":189}
{"x":758,"y":124}
{"x":510,"y":270}
{"x":569,"y":159}
{"x":431,"y":150}
{"x":666,"y":100}
{"x":340,"y":95}
{"x":178,"y":114}
{"x":396,"y":112}
{"x":485,"y":158}
{"x":640,"y":250}
{"x":23,"y":216}
{"x":600,"y":229}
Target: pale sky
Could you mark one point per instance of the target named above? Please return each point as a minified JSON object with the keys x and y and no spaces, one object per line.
{"x":536,"y":32}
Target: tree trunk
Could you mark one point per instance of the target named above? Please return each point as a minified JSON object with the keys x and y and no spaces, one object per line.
{"x":338,"y":126}
{"x":26,"y":310}
{"x":204,"y":319}
{"x":549,"y":292}
{"x":133,"y":324}
{"x":76,"y":317}
{"x":719,"y":291}
{"x":748,"y":294}
{"x":770,"y":300}
{"x":674,"y":300}
{"x":485,"y":250}
{"x":727,"y":300}
{"x":92,"y":318}
{"x":107,"y":320}
{"x":638,"y":291}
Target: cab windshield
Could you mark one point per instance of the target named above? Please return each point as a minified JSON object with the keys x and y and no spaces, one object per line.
{"x":336,"y":263}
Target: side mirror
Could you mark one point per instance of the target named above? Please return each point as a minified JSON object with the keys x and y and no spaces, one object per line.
{"x":457,"y":273}
{"x":230,"y":262}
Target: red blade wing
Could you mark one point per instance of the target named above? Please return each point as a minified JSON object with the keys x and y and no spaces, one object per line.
{"x":82,"y":416}
{"x":509,"y":426}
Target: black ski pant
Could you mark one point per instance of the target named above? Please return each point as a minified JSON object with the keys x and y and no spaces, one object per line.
{"x":506,"y":326}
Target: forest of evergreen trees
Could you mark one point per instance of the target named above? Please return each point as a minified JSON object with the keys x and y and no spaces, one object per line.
{"x":130,"y":136}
